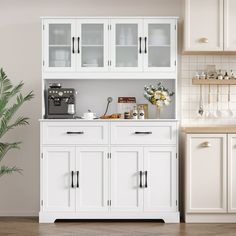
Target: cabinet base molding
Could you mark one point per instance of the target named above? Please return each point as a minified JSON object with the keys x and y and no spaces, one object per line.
{"x":168,"y":217}
{"x":210,"y":218}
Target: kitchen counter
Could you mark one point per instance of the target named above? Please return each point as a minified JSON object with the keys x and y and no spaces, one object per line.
{"x":209,"y":129}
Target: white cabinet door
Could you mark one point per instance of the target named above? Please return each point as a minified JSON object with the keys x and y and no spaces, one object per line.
{"x":160,"y":44}
{"x":59,"y":37}
{"x":232,"y":173}
{"x":92,"y":179}
{"x":203,"y":25}
{"x":126,"y":44}
{"x":229,"y":25}
{"x":92,"y":45}
{"x":126,"y":188}
{"x":206,"y":173}
{"x":58,"y":192}
{"x":160,"y":179}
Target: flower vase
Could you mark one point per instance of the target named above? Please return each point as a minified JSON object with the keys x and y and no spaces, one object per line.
{"x":158,"y":112}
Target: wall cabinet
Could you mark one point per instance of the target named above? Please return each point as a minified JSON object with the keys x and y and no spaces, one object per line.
{"x":79,"y":45}
{"x":80,"y":181}
{"x":229,"y":25}
{"x":210,"y":178}
{"x":209,"y":25}
{"x":71,"y":45}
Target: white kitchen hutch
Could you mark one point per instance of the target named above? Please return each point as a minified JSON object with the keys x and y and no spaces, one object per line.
{"x":109,"y":169}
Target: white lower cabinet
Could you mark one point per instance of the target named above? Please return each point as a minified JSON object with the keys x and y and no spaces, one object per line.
{"x":57,"y":169}
{"x":160,"y":187}
{"x":92,"y":179}
{"x":210,"y":178}
{"x":108,"y":181}
{"x":232,"y":173}
{"x":126,"y":180}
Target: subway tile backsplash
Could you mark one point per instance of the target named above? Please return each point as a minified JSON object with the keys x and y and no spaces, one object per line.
{"x":190,"y":94}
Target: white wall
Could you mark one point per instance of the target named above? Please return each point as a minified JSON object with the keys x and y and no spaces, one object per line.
{"x":20,"y":56}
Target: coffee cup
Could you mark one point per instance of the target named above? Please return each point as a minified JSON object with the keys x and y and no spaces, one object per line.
{"x":89,"y":116}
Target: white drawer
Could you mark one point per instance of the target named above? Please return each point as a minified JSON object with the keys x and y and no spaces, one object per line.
{"x":143,"y":133}
{"x":75,"y":133}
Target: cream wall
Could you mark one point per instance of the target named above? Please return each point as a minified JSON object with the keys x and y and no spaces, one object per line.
{"x":20,"y":56}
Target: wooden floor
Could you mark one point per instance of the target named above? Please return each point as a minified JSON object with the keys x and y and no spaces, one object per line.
{"x":31,"y":227}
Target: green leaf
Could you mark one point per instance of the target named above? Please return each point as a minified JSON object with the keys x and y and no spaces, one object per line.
{"x":9,"y":170}
{"x":5,"y":147}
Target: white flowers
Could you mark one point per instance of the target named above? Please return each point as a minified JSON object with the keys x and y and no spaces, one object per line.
{"x":158,"y":96}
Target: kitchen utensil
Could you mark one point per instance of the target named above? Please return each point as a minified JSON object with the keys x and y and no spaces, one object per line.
{"x":209,"y":113}
{"x":229,"y":112}
{"x":218,"y":112}
{"x":200,"y":111}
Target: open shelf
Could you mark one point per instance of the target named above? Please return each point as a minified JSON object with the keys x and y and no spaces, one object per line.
{"x":59,"y":45}
{"x":119,"y":45}
{"x":213,"y":82}
{"x":164,"y":45}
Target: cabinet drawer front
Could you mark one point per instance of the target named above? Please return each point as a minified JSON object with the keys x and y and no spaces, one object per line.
{"x":75,"y":133}
{"x":143,"y":133}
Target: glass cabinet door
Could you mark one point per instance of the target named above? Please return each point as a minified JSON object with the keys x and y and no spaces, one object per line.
{"x":126,"y":45}
{"x":159,"y":45}
{"x":93,"y":45}
{"x":60,"y":45}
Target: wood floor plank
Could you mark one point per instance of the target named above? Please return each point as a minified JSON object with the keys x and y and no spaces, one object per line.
{"x":10,"y":226}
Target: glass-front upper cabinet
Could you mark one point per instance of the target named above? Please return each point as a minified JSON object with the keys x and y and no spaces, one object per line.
{"x":126,"y":40}
{"x":159,"y":44}
{"x":92,"y":44}
{"x":59,"y":37}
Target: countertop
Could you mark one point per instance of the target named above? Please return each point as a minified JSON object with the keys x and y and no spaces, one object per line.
{"x":209,"y":129}
{"x":108,"y":120}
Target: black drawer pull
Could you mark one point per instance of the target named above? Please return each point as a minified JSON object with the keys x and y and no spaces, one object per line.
{"x":77,"y":173}
{"x":145,"y":173}
{"x":75,"y":132}
{"x":144,"y":132}
{"x":145,"y":48}
{"x":78,"y":44}
{"x":140,"y":179}
{"x":140,"y":44}
{"x":73,"y":44}
{"x":72,"y":179}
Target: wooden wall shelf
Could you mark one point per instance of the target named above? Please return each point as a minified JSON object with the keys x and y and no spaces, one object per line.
{"x":213,"y":82}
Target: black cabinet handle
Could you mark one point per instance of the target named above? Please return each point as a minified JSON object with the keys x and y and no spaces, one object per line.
{"x":145,"y":173}
{"x":140,"y":45}
{"x":73,"y":44}
{"x":78,"y":44}
{"x":145,"y":48}
{"x":77,"y":174}
{"x":72,"y":179}
{"x":140,"y":179}
{"x":76,"y":132}
{"x":142,"y":132}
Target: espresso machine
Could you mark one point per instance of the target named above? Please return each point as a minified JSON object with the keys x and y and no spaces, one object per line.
{"x":60,"y":102}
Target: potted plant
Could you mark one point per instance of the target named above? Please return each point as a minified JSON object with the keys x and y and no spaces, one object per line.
{"x":11,"y":99}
